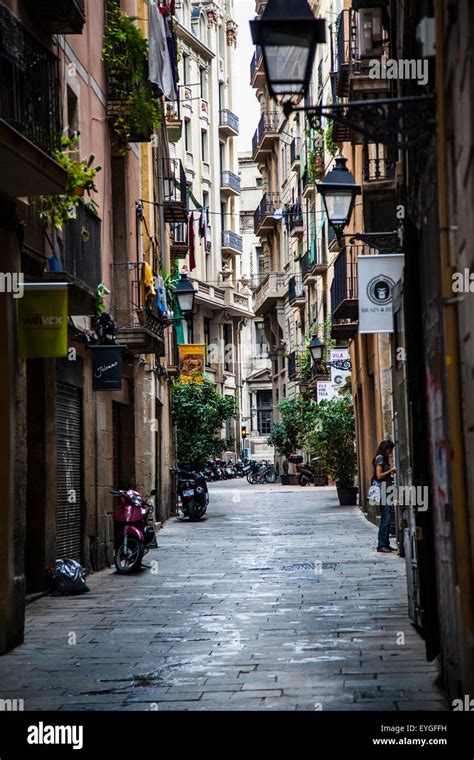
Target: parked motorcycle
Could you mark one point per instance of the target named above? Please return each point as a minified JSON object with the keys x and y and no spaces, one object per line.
{"x":192,"y":489}
{"x":305,"y":473}
{"x":134,"y":531}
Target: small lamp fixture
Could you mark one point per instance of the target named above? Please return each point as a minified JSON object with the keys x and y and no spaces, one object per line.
{"x":317,"y":349}
{"x":339,"y":192}
{"x":185,"y":295}
{"x":288,"y":34}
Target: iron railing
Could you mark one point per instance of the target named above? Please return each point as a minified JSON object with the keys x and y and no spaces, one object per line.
{"x":81,"y":254}
{"x":30,"y":92}
{"x":175,"y":192}
{"x":268,"y":124}
{"x":295,"y":289}
{"x":344,"y":289}
{"x":229,"y":119}
{"x":295,"y":150}
{"x":255,"y":62}
{"x":378,"y":162}
{"x":130,"y":305}
{"x":231,"y":181}
{"x":295,"y":216}
{"x":270,"y":203}
{"x":231,"y":239}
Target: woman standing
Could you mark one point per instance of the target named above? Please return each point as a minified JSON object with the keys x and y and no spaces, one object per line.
{"x":383,"y":471}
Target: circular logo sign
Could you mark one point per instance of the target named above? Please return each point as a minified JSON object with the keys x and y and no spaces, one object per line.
{"x":379,"y":290}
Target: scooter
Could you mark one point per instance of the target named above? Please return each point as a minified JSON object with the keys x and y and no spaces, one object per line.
{"x":305,"y":473}
{"x":134,"y":530}
{"x":192,"y":489}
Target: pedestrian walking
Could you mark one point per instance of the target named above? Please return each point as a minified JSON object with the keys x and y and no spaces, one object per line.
{"x":383,"y":471}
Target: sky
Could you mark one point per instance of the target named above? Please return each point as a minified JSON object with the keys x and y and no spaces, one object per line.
{"x":246,"y":105}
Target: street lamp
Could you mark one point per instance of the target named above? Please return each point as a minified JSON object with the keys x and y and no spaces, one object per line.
{"x":317,"y":349}
{"x":339,"y":192}
{"x":185,"y":295}
{"x":288,"y":34}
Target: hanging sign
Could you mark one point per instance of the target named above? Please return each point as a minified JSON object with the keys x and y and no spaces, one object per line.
{"x":42,"y":321}
{"x":339,"y":376}
{"x":192,"y":360}
{"x":107,"y":367}
{"x":326,"y":391}
{"x":377,"y":277}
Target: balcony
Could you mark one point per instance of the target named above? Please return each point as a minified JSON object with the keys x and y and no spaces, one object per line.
{"x":230,"y":184}
{"x":179,"y":243}
{"x":296,"y":291}
{"x":175,"y":194}
{"x":174,"y":122}
{"x":229,"y":125}
{"x":59,"y":16}
{"x":30,"y":113}
{"x":342,"y":52}
{"x":308,"y":188}
{"x":313,"y":263}
{"x":295,"y":154}
{"x":296,"y":221}
{"x":265,"y":136}
{"x":264,"y":217}
{"x":257,"y":71}
{"x":140,"y":327}
{"x":269,"y":289}
{"x":344,"y":289}
{"x":378,"y":185}
{"x":232,"y":243}
{"x":292,"y":366}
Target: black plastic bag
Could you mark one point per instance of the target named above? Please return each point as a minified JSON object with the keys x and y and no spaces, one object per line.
{"x":66,"y":577}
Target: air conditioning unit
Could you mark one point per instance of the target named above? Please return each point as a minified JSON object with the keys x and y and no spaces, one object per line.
{"x":370,"y":32}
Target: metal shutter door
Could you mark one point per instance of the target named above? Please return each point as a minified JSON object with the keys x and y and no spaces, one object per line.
{"x":69,"y":473}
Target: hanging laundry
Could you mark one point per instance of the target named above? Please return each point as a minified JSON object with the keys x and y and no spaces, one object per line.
{"x":160,"y":69}
{"x":172,"y":56}
{"x":161,"y":302}
{"x":203,"y":227}
{"x":147,"y":283}
{"x":191,"y":238}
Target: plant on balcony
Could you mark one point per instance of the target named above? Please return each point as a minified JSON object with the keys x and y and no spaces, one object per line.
{"x":136,"y":112}
{"x":199,"y":413}
{"x":304,"y":364}
{"x":331,"y":147}
{"x":60,"y":209}
{"x":316,"y":156}
{"x":333,"y":440}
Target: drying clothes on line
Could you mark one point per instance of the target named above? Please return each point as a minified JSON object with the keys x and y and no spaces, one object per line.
{"x":203,"y":226}
{"x":161,"y":72}
{"x":161,"y":302}
{"x":147,"y":285}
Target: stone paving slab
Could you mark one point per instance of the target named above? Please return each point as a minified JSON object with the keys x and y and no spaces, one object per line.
{"x":277,"y":601}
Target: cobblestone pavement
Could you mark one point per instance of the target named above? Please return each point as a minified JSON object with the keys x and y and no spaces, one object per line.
{"x":277,"y":601}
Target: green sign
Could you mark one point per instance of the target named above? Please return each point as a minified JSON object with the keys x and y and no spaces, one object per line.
{"x":42,"y":321}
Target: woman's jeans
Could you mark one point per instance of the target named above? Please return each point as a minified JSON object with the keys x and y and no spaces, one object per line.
{"x":384,"y":528}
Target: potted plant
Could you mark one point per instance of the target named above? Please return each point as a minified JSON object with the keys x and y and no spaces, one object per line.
{"x":333,"y":437}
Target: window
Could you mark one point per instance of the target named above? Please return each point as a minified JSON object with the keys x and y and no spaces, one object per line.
{"x":203,"y":83}
{"x":284,"y":161}
{"x":259,"y":182}
{"x":207,"y":338}
{"x":228,"y":348}
{"x":185,"y":69}
{"x":260,"y":260}
{"x":264,"y":412}
{"x":221,"y":97}
{"x":261,"y":345}
{"x":204,"y":145}
{"x":187,"y":135}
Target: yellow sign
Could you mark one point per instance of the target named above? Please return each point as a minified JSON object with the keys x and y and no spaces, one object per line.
{"x":192,"y":363}
{"x":42,"y":321}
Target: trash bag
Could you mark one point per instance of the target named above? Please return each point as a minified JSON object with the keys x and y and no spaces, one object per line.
{"x":66,"y":577}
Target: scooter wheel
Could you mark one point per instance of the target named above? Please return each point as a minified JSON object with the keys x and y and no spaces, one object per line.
{"x":127,"y":562}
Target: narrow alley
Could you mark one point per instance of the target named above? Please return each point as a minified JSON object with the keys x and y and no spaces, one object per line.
{"x":277,"y":601}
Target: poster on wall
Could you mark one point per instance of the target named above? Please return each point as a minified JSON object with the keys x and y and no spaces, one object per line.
{"x":377,"y":277}
{"x":192,"y":359}
{"x":107,"y":368}
{"x":42,"y":321}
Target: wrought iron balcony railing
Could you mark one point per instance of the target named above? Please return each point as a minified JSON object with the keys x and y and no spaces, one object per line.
{"x":270,"y":203}
{"x":296,"y":291}
{"x":255,"y":62}
{"x":30,"y":92}
{"x":231,"y":240}
{"x":60,"y":16}
{"x":378,"y":162}
{"x":344,"y":289}
{"x":175,"y":192}
{"x":295,"y":150}
{"x":267,"y":127}
{"x":229,"y":120}
{"x":81,"y":254}
{"x":230,"y":181}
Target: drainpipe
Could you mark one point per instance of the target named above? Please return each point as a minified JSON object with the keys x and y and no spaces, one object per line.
{"x":459,"y":504}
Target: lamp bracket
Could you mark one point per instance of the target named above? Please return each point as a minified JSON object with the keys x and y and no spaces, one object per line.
{"x":404,"y":123}
{"x":343,"y":365}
